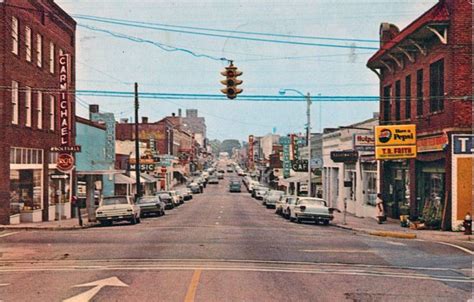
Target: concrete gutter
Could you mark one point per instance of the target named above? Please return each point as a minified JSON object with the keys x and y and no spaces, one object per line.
{"x":392,"y":234}
{"x":45,"y":228}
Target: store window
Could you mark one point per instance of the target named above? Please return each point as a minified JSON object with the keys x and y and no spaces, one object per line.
{"x":351,"y":175}
{"x":370,"y":183}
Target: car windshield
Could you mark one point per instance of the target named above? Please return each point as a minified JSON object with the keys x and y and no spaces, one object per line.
{"x":165,"y":196}
{"x":262,"y":189}
{"x":114,"y":200}
{"x":146,"y":199}
{"x":276,"y":193}
{"x":312,"y":201}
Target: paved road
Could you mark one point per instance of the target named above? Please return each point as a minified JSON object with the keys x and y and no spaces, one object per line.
{"x":227,"y":247}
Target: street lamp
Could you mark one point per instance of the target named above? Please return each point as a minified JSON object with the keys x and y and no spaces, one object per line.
{"x":308,"y":129}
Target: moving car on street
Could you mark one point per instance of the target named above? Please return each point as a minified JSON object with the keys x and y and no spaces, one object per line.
{"x":307,"y":208}
{"x":213,"y":180}
{"x":195,"y":188}
{"x":234,"y":186}
{"x":220,"y":175}
{"x":151,"y":205}
{"x":117,"y":208}
{"x":271,"y":197}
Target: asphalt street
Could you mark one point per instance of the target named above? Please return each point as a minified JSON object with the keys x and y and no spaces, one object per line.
{"x":223,"y":246}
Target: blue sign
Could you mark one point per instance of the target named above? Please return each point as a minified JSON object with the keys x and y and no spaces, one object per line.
{"x":463,"y":143}
{"x":285,"y":141}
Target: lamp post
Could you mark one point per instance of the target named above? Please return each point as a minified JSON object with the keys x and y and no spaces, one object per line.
{"x":308,"y":129}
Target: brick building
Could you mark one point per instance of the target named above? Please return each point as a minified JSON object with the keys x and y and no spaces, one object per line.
{"x":425,"y":74}
{"x":34,"y":34}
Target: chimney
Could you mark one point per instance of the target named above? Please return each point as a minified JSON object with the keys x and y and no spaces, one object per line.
{"x":93,"y":108}
{"x":387,"y":32}
{"x":124,"y":120}
{"x":144,"y":120}
{"x":179,"y":112}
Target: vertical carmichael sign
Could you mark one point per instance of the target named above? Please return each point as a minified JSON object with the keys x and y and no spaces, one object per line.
{"x":65,"y":161}
{"x":395,"y":142}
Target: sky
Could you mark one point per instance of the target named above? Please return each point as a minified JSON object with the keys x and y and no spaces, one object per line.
{"x":112,"y":56}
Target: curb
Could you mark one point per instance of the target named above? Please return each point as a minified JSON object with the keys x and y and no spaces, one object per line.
{"x":378,"y":233}
{"x":39,"y":228}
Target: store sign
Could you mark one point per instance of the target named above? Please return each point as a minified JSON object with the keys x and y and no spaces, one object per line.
{"x":299,"y":165}
{"x":316,"y":163}
{"x":64,"y":106}
{"x":395,"y":152}
{"x":349,"y":156}
{"x":463,"y":144}
{"x":395,"y":142}
{"x":430,"y":144}
{"x":363,"y":142}
{"x":65,"y":162}
{"x":66,"y":149}
{"x":143,"y":167}
{"x":395,"y":135}
{"x":286,"y":142}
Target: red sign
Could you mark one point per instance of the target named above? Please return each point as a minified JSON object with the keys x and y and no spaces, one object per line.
{"x":64,"y":107}
{"x":65,"y":162}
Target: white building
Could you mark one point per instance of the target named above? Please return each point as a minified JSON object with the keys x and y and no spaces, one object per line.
{"x":359,"y":175}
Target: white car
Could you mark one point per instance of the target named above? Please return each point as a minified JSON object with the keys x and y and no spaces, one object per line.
{"x":271,"y":197}
{"x":287,"y":203}
{"x":252,"y":184}
{"x":309,"y":208}
{"x":117,"y":208}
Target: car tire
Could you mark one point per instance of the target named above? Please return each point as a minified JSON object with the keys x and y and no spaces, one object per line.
{"x":163,"y":212}
{"x":290,"y":218}
{"x":139,"y":220}
{"x":133,"y":220}
{"x":105,"y":223}
{"x":326,"y":222}
{"x":298,"y":220}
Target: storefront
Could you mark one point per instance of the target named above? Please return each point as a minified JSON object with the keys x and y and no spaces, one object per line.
{"x":395,"y":187}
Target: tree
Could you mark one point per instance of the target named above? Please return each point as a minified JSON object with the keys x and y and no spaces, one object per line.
{"x":228,"y":145}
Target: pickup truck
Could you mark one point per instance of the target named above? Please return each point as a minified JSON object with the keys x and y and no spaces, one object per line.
{"x":117,"y":208}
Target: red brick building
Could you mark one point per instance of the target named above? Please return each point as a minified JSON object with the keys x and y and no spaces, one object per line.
{"x":425,"y":74}
{"x":33,"y":35}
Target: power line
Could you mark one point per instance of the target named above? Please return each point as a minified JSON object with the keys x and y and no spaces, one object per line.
{"x":150,"y":24}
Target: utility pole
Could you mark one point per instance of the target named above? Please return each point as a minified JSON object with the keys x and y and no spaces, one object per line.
{"x":308,"y":139}
{"x":137,"y":147}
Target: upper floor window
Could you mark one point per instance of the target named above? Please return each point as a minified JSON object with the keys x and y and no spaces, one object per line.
{"x":28,"y":43}
{"x":437,"y":86}
{"x":386,"y":102}
{"x":52,"y":107}
{"x":408,"y":97}
{"x":15,"y":102}
{"x":28,"y":106}
{"x":51,"y":57}
{"x":14,"y":35}
{"x":39,"y":110}
{"x":419,"y":92}
{"x":39,"y":50}
{"x":397,"y":101}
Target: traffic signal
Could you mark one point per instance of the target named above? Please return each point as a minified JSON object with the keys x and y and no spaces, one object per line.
{"x":231,"y":73}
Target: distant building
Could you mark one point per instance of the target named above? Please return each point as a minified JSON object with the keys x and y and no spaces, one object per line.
{"x":195,"y":125}
{"x":425,"y":74}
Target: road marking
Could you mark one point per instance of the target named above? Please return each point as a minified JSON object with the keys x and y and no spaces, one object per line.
{"x":4,"y":284}
{"x":220,"y":212}
{"x":98,"y":285}
{"x":458,"y":247}
{"x":396,"y":243}
{"x":191,"y":294}
{"x":335,"y":251}
{"x":8,"y":234}
{"x":217,"y":222}
{"x":219,"y":217}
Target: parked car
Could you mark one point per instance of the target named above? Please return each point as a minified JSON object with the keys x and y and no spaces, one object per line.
{"x":234,"y":186}
{"x":175,"y":198}
{"x":151,"y":205}
{"x":186,"y":194}
{"x":259,"y":191}
{"x":195,"y":188}
{"x":230,"y":170}
{"x":252,"y":184}
{"x":117,"y":208}
{"x":288,"y":203}
{"x":166,"y":199}
{"x":213,"y":180}
{"x":271,"y":197}
{"x":307,"y":208}
{"x":220,"y":175}
{"x":280,"y":204}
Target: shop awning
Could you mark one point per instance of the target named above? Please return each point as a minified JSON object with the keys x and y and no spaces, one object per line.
{"x":148,"y":178}
{"x":121,"y":179}
{"x":100,"y":172}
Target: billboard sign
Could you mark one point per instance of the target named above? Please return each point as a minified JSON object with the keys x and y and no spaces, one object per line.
{"x":363,"y":142}
{"x":395,"y":142}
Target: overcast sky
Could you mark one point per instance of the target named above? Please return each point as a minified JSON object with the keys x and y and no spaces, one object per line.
{"x":106,"y":62}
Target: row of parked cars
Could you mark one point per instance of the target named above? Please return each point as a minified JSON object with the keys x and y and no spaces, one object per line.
{"x":294,"y":208}
{"x":128,"y":208}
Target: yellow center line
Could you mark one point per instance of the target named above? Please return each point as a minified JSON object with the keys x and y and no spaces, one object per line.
{"x":190,"y":295}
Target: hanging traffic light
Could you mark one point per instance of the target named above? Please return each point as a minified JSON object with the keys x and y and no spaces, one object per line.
{"x":231,"y":73}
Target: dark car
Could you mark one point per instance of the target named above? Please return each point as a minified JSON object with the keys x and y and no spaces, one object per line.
{"x":151,"y":205}
{"x":234,"y":186}
{"x":167,"y":200}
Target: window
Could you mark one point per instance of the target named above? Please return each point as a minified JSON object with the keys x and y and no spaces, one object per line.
{"x":39,"y":50}
{"x":419,"y":92}
{"x":408,"y":97}
{"x":28,"y":106}
{"x":51,"y":57}
{"x":39,"y":110}
{"x":437,"y":86}
{"x":14,"y":35}
{"x":14,"y":102}
{"x":28,"y":43}
{"x":386,"y":103}
{"x":52,"y":107}
{"x":397,"y":100}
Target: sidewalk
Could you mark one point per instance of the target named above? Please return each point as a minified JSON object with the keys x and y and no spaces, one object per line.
{"x":66,"y":224}
{"x":392,"y":228}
